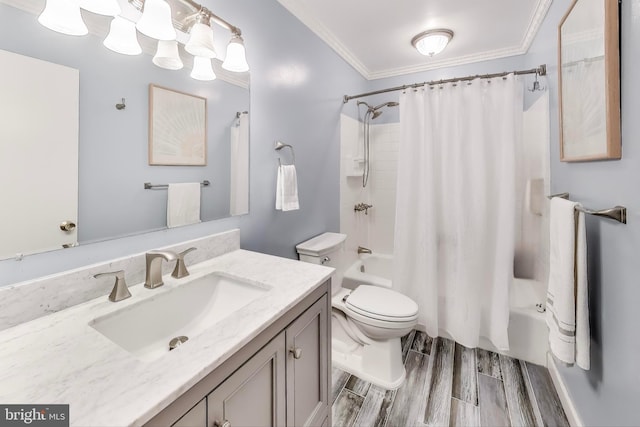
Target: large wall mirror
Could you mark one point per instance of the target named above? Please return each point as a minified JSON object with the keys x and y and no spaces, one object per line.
{"x":111,"y":147}
{"x":589,"y":81}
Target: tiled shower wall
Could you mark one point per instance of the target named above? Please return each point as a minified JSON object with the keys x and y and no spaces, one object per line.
{"x":375,"y":229}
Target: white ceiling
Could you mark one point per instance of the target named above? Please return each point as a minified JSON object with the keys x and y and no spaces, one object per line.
{"x":374,"y":36}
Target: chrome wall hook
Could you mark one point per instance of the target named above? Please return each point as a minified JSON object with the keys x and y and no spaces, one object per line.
{"x":121,"y":106}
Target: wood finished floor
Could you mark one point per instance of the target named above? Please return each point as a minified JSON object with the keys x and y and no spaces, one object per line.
{"x":448,"y":384}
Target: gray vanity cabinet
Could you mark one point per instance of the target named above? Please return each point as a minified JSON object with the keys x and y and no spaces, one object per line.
{"x":280,"y":378}
{"x":255,"y":394}
{"x":197,"y":416}
{"x":307,"y":367}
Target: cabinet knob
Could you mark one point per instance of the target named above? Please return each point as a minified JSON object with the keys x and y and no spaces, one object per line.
{"x":296,"y":351}
{"x":67,"y":226}
{"x":224,"y":423}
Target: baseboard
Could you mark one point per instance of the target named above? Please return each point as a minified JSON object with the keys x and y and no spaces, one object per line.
{"x":563,"y":393}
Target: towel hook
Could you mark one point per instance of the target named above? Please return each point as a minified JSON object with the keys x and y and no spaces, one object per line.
{"x":279,"y":146}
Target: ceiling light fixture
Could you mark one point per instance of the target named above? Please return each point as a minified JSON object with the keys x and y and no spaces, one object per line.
{"x":432,"y":42}
{"x":158,"y":22}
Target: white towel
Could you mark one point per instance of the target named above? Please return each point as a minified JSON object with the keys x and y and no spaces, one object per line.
{"x":567,"y":294}
{"x":287,"y":188}
{"x":239,"y":197}
{"x":183,"y":204}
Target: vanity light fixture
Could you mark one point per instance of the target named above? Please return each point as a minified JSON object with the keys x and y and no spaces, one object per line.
{"x":63,"y":16}
{"x":236,"y":59}
{"x":122,"y":37}
{"x":102,"y":7}
{"x":157,"y":22}
{"x":432,"y":42}
{"x":202,"y":69}
{"x":201,"y":38}
{"x":167,"y":55}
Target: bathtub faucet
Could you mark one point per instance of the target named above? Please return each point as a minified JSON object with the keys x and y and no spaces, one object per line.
{"x":362,"y":207}
{"x":362,"y":250}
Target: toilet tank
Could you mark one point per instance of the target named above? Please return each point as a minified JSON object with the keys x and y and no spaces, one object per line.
{"x":325,"y":249}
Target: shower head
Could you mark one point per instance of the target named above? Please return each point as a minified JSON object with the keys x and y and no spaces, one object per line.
{"x":386,"y":104}
{"x":376,"y":113}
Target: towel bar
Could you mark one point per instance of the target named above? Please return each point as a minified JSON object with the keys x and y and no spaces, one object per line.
{"x":618,"y":213}
{"x":279,"y":146}
{"x":150,"y":186}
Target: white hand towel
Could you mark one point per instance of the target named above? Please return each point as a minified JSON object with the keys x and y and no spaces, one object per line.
{"x":183,"y":204}
{"x":567,"y":294}
{"x":287,"y":188}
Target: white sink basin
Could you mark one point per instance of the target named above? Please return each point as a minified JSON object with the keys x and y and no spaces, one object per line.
{"x":146,"y":328}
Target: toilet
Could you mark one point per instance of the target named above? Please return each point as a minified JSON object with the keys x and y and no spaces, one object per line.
{"x":367,"y":322}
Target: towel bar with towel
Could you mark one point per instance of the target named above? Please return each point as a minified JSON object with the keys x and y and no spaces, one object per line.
{"x":618,"y":213}
{"x":279,"y":146}
{"x":150,"y":186}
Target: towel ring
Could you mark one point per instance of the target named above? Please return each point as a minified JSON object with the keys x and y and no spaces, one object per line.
{"x":279,"y":146}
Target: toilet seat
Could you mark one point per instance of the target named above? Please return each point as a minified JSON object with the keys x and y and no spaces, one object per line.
{"x":381,"y":307}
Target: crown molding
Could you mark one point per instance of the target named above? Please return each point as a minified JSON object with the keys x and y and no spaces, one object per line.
{"x":300,"y":11}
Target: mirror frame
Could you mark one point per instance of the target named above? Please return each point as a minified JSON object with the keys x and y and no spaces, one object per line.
{"x":612,"y":85}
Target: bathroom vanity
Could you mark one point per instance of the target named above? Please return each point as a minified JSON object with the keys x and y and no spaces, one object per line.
{"x":260,"y":357}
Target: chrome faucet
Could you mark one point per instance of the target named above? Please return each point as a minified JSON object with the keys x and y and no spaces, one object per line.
{"x":154,"y":267}
{"x":362,"y":250}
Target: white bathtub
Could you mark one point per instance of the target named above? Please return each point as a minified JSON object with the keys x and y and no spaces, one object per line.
{"x":528,"y":333}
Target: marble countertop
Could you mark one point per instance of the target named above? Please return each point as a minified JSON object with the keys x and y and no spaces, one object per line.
{"x":60,"y":359}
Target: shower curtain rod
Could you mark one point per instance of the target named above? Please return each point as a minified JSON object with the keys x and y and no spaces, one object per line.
{"x":540,"y":70}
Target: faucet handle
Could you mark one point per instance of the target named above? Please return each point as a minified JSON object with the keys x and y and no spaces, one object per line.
{"x":120,"y":290}
{"x":181,"y":269}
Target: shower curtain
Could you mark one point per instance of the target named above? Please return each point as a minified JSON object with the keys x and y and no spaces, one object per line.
{"x":455,"y":206}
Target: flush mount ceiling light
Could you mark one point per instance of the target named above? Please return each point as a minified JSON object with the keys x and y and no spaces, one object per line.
{"x":432,"y":42}
{"x":159,"y":22}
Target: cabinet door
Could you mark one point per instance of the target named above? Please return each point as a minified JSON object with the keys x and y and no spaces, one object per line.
{"x":196,"y":417}
{"x":308,"y":367}
{"x":255,"y":394}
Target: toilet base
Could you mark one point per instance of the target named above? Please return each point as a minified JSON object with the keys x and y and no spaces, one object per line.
{"x":379,"y":363}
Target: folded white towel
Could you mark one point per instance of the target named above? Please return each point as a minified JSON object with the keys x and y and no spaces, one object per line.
{"x":287,"y":188}
{"x":567,"y":294}
{"x":183,"y":204}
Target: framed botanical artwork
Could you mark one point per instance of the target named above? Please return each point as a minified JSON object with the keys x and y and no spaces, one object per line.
{"x":177,"y":128}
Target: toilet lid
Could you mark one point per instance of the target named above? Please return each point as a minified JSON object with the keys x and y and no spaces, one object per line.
{"x":381,"y":303}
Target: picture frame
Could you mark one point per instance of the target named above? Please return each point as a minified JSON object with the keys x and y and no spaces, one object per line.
{"x":589,"y":81}
{"x":177,"y":128}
